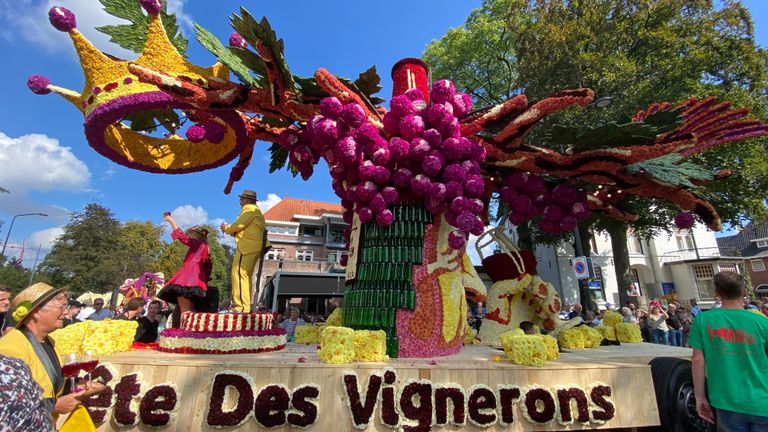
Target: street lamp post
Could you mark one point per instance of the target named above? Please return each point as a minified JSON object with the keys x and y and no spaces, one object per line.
{"x":8,"y":235}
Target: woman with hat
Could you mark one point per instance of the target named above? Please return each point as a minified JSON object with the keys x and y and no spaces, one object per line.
{"x":39,"y":310}
{"x":191,"y":281}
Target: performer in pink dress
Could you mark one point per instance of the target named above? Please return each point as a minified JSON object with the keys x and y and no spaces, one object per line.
{"x":191,"y":281}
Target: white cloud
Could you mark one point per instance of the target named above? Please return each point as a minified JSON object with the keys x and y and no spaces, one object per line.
{"x":268,"y":203}
{"x":187,"y":215}
{"x":109,"y":172}
{"x":38,"y":162}
{"x":45,"y":238}
{"x":30,"y":21}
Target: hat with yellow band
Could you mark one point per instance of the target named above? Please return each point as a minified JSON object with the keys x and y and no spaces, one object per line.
{"x":31,"y":298}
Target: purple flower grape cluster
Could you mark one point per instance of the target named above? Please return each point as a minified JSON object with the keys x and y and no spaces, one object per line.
{"x":529,"y":197}
{"x":685,"y":220}
{"x":425,"y":158}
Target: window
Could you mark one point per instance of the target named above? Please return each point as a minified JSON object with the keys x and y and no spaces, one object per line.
{"x":728,"y":267}
{"x":280,"y":229}
{"x":275,"y":254}
{"x":598,"y":272}
{"x":757,"y":265}
{"x":336,"y":234}
{"x":636,"y":279}
{"x":305,"y":255}
{"x":762,"y":243}
{"x":704,"y":275}
{"x":593,"y":244}
{"x":311,"y":231}
{"x":634,"y":245}
{"x":335,"y":256}
{"x":684,"y":242}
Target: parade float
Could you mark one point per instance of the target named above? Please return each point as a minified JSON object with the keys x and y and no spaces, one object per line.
{"x":415,"y":181}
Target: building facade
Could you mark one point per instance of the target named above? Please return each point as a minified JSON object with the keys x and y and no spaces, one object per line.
{"x":751,"y":244}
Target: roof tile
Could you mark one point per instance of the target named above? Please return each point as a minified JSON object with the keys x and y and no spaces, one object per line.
{"x":288,"y":207}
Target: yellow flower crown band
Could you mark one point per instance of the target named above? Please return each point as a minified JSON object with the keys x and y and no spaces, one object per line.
{"x":22,"y":311}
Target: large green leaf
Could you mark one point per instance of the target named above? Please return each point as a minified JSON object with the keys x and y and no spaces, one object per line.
{"x":369,"y":83}
{"x":133,"y":36}
{"x":278,"y":157}
{"x":254,"y":31}
{"x":310,"y":91}
{"x":150,"y":120}
{"x":668,"y":169}
{"x":226,"y":56}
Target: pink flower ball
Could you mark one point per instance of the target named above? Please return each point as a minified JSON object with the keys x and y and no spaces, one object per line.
{"x":474,"y":205}
{"x":398,"y":148}
{"x":420,"y":184}
{"x":401,"y":106}
{"x":338,"y":171}
{"x":456,"y":240}
{"x":366,"y":133}
{"x":440,"y":115}
{"x":153,"y":7}
{"x":352,"y":115}
{"x":385,"y":218}
{"x":685,"y":220}
{"x":381,"y":157}
{"x":215,"y":132}
{"x":517,"y":180}
{"x":414,"y":94}
{"x":437,"y":191}
{"x":331,"y":107}
{"x":451,"y":149}
{"x":411,"y":126}
{"x":39,"y":84}
{"x":381,"y":175}
{"x":516,"y":219}
{"x":564,"y":194}
{"x":402,"y":177}
{"x":453,"y":189}
{"x":433,"y":138}
{"x":474,"y":187}
{"x":347,"y":216}
{"x":419,"y":149}
{"x":366,"y":191}
{"x":568,"y":223}
{"x":534,"y":186}
{"x":462,"y":105}
{"x":471,"y":167}
{"x":553,"y":213}
{"x":435,"y":206}
{"x":507,"y":194}
{"x":454,"y":172}
{"x":450,"y":130}
{"x":450,"y":217}
{"x":366,"y":170}
{"x":391,"y":123}
{"x":580,"y":210}
{"x":346,"y":233}
{"x":325,"y":131}
{"x":347,"y":204}
{"x":365,"y":214}
{"x":458,"y":205}
{"x":478,"y":228}
{"x":442,"y":91}
{"x":549,"y":227}
{"x":377,"y":203}
{"x":301,"y":154}
{"x":195,"y":134}
{"x":390,"y":195}
{"x":522,"y":204}
{"x":541,"y":201}
{"x":351,"y":192}
{"x":62,"y":19}
{"x":431,"y":166}
{"x":346,"y":150}
{"x":343,"y":260}
{"x":237,"y":41}
{"x":466,"y":221}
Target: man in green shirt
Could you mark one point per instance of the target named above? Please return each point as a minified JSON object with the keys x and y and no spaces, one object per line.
{"x":730,"y":349}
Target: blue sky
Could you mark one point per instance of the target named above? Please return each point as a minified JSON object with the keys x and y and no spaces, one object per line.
{"x":49,"y":167}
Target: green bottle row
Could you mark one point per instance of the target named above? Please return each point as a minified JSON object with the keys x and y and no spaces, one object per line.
{"x":391,"y":254}
{"x":370,"y":318}
{"x":384,"y":272}
{"x":404,"y":298}
{"x":398,"y":229}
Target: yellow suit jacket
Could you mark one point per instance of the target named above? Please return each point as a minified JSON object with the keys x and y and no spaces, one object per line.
{"x":248,"y":230}
{"x":15,"y":344}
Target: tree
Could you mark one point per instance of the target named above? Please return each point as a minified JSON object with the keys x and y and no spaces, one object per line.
{"x":87,"y":256}
{"x":638,"y":51}
{"x":140,"y":247}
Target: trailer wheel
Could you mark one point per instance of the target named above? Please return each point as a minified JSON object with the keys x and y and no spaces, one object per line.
{"x":673,"y":382}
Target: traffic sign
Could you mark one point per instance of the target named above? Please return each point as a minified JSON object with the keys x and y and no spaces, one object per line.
{"x":580,"y":267}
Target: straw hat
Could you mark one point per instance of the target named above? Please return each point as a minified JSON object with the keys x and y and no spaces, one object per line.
{"x":31,"y":298}
{"x":247,"y":193}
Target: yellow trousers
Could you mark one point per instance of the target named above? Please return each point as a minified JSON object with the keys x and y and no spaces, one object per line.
{"x":242,"y":280}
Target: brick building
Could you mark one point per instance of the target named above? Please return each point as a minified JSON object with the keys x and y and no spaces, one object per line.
{"x":752,"y":245}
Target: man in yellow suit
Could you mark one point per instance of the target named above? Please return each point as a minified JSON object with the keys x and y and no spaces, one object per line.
{"x":248,"y":231}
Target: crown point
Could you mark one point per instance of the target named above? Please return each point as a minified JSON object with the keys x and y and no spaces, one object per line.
{"x":195,"y":134}
{"x":235,"y":40}
{"x":152,"y":7}
{"x":62,"y":19}
{"x":39,"y":84}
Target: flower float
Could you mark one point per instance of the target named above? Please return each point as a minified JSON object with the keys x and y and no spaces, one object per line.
{"x":103,"y":337}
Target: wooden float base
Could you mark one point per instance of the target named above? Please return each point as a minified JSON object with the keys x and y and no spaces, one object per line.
{"x":625,"y":368}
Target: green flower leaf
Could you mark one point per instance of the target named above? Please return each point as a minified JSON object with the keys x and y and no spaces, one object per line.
{"x":668,"y":169}
{"x":226,"y":56}
{"x":133,"y":36}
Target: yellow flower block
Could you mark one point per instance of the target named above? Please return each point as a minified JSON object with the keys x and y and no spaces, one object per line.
{"x":469,"y":336}
{"x":571,"y":338}
{"x":103,"y":337}
{"x":337,"y":345}
{"x":553,"y":352}
{"x":308,"y":334}
{"x":608,"y":332}
{"x":611,"y":318}
{"x":629,"y":332}
{"x":592,"y":337}
{"x":334,"y":319}
{"x":370,"y":346}
{"x":526,"y":350}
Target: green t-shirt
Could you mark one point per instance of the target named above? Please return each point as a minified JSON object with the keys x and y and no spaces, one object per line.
{"x":735,"y":346}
